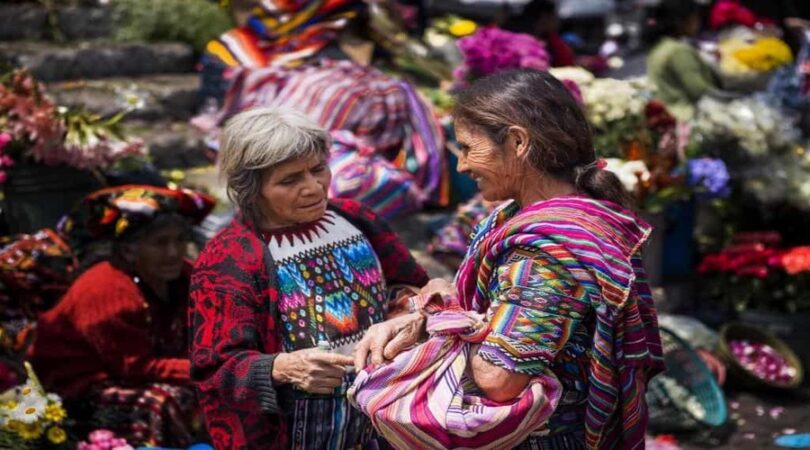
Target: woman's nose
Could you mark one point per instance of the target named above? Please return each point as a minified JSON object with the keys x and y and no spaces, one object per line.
{"x":461,"y":166}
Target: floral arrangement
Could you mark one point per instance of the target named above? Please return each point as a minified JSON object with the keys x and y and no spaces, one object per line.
{"x":38,"y":130}
{"x":740,"y":57}
{"x":682,"y":397}
{"x":104,"y":440}
{"x":709,"y":177}
{"x":492,"y":50}
{"x":755,"y":273}
{"x":31,"y":418}
{"x":779,"y":179}
{"x":749,"y":123}
{"x":763,"y":361}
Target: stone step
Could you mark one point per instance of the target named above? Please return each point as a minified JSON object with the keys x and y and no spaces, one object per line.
{"x":27,"y":21}
{"x":172,"y":145}
{"x":152,"y":97}
{"x":97,"y":59}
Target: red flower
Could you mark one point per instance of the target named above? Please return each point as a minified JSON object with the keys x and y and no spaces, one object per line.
{"x":796,"y":260}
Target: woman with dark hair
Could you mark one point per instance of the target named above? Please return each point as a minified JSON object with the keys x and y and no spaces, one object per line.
{"x":115,"y":346}
{"x":674,"y":66}
{"x":556,"y":272}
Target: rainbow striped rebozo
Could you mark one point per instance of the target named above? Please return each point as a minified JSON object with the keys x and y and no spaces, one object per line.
{"x":423,"y":399}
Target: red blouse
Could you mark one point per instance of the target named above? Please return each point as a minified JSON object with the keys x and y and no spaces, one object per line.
{"x":105,"y":328}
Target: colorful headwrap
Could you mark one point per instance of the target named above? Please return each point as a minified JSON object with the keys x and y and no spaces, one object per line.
{"x":118,"y":212}
{"x":282,"y":32}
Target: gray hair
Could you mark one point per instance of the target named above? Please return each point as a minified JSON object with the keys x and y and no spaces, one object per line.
{"x":259,"y":139}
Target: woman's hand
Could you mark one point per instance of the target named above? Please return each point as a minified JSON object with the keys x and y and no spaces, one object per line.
{"x":385,"y":340}
{"x":438,"y":286}
{"x":311,"y":370}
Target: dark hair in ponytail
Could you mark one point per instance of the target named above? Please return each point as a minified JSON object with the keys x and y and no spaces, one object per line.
{"x":560,"y":139}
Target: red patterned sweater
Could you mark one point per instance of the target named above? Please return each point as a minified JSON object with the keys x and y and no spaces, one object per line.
{"x":235,"y":334}
{"x":106,"y":329}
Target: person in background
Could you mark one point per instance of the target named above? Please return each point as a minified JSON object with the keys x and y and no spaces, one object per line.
{"x":281,"y":296}
{"x":115,"y":346}
{"x":539,"y":18}
{"x":674,"y":66}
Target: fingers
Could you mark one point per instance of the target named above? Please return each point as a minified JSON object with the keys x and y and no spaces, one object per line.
{"x":361,"y":354}
{"x":377,"y":346}
{"x":395,"y":346}
{"x":321,"y":385}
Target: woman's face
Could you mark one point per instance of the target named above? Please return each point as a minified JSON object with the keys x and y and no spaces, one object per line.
{"x":295,"y":191}
{"x":159,"y":255}
{"x":490,"y":165}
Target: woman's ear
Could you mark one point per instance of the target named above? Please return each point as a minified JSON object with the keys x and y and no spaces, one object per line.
{"x":518,"y":138}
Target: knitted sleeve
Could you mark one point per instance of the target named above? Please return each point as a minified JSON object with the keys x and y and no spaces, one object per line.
{"x":537,"y":305}
{"x":232,"y":342}
{"x":113,"y":320}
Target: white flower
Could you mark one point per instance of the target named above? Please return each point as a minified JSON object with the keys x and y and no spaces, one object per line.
{"x":628,"y":172}
{"x":578,"y":75}
{"x":29,"y":408}
{"x":54,"y":399}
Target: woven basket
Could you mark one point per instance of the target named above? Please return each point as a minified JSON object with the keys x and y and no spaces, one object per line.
{"x":684,"y":365}
{"x":743,"y":376}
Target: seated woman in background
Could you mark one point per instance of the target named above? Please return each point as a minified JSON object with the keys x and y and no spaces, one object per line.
{"x":674,"y":66}
{"x":115,"y":346}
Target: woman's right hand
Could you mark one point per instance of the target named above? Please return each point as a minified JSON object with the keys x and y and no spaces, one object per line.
{"x":384,"y":341}
{"x":311,"y":370}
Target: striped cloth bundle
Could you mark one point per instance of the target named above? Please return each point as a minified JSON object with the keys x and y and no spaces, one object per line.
{"x":598,"y":242}
{"x":424,"y":399}
{"x":382,"y":112}
{"x":283,"y":32}
{"x":359,"y":174}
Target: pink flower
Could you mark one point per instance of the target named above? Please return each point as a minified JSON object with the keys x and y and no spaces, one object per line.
{"x":86,"y":446}
{"x":3,"y":176}
{"x":5,"y":138}
{"x":99,"y":436}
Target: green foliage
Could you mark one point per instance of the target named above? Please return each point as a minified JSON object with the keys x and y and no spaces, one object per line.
{"x":191,"y":21}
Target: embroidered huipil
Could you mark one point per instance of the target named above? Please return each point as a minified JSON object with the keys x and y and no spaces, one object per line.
{"x":331,"y":289}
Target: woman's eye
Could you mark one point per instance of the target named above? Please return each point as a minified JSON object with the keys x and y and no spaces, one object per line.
{"x":320,"y":168}
{"x":287,"y":181}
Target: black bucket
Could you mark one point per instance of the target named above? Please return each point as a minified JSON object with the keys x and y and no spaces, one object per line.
{"x":37,"y":196}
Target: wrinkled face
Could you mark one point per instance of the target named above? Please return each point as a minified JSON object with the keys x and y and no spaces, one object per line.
{"x":295,"y":191}
{"x":490,"y":165}
{"x":159,"y":255}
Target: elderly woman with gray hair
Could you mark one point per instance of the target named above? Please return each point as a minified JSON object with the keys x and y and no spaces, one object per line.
{"x":280,"y":297}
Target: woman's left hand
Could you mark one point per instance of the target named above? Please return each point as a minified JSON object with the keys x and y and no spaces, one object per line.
{"x":385,"y":340}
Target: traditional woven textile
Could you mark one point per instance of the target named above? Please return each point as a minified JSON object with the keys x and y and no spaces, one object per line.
{"x":598,"y":242}
{"x":425,"y":400}
{"x":156,"y":414}
{"x":284,"y":32}
{"x":359,"y":174}
{"x":382,"y":112}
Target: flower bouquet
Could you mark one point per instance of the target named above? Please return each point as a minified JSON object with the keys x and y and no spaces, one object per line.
{"x":30,"y":418}
{"x":754,"y":273}
{"x":37,"y":130}
{"x":491,"y":50}
{"x":747,"y":61}
{"x":748,"y":123}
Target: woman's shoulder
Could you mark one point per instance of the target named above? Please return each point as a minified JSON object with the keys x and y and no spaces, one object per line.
{"x":235,"y":255}
{"x":101,"y":284}
{"x":352,"y":209}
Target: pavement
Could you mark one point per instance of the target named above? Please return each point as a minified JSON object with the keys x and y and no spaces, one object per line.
{"x":755,"y":420}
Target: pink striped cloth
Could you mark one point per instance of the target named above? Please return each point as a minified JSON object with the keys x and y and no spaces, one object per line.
{"x":424,"y":398}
